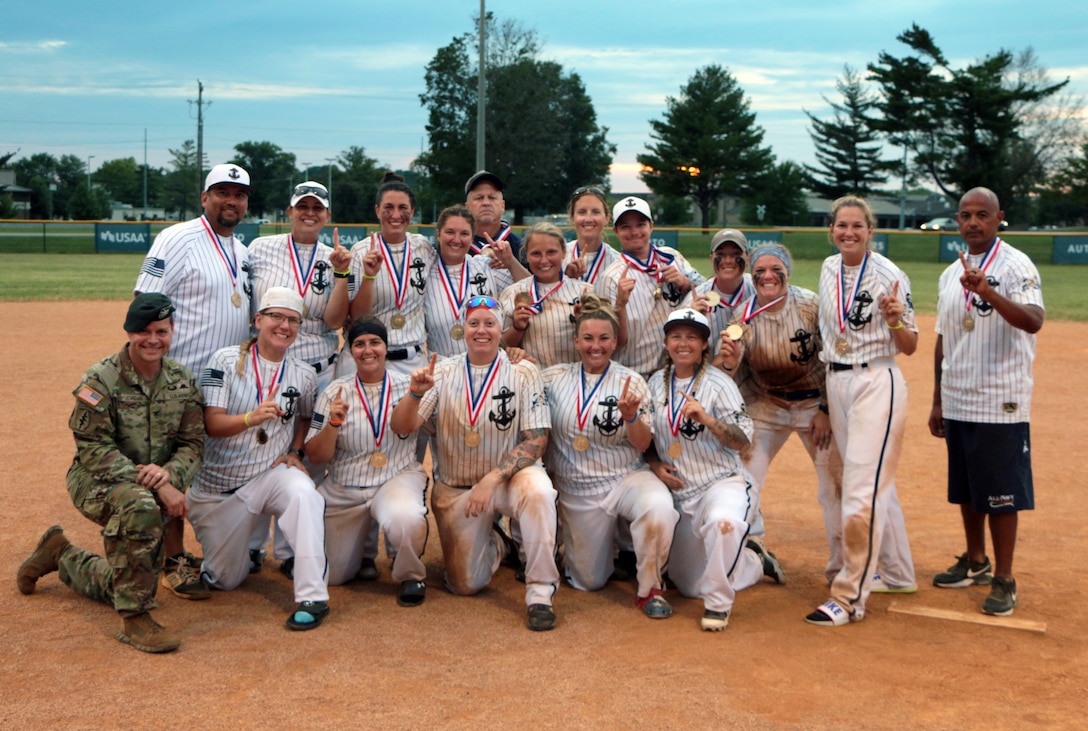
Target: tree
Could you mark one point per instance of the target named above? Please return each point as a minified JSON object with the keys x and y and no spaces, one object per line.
{"x":272,"y":175}
{"x":38,"y":172}
{"x":781,"y":192}
{"x":353,"y":194}
{"x":961,"y":124}
{"x":1065,"y":200}
{"x":847,"y":148}
{"x":541,"y":130}
{"x":123,"y":179}
{"x":7,"y":206}
{"x":178,"y":194}
{"x":708,"y":144}
{"x":89,"y":204}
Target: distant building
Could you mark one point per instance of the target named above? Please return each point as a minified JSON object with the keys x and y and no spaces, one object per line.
{"x":20,"y":196}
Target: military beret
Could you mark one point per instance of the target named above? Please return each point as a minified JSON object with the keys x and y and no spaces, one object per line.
{"x":146,"y":309}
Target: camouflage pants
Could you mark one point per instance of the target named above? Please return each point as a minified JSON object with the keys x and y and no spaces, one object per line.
{"x":132,"y":530}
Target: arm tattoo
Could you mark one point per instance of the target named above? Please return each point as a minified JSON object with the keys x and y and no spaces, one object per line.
{"x":529,"y":449}
{"x":731,"y":435}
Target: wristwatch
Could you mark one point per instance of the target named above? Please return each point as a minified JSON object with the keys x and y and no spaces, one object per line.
{"x":300,"y":452}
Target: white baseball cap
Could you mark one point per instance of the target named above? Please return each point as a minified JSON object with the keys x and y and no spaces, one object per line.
{"x":688,"y":316}
{"x":226,"y":173}
{"x":281,"y":297}
{"x":631,"y":203}
{"x":311,"y":189}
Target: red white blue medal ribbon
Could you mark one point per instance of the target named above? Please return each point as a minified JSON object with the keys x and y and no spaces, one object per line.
{"x":987,"y":260}
{"x":504,"y":232}
{"x":585,"y":402}
{"x":455,"y":298}
{"x":595,"y":267}
{"x":537,"y":304}
{"x":840,"y":287}
{"x":399,"y":278}
{"x":748,"y":314}
{"x":653,"y":264}
{"x":302,"y":276}
{"x":473,"y":399}
{"x":729,"y":300}
{"x":676,"y":402}
{"x":228,"y":260}
{"x":277,"y":377}
{"x":377,"y":425}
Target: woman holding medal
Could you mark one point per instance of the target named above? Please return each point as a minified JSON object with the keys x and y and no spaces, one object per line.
{"x":600,"y":429}
{"x":700,"y":424}
{"x":373,"y":473}
{"x":454,"y":278}
{"x":589,"y":255}
{"x":392,"y":276}
{"x":730,"y":286}
{"x":540,"y":311}
{"x":866,"y":319}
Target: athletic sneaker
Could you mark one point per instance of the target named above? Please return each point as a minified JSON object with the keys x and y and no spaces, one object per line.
{"x":256,"y":560}
{"x":965,"y":573}
{"x":1002,"y":599}
{"x":879,"y":586}
{"x":714,"y":621}
{"x":771,"y":568}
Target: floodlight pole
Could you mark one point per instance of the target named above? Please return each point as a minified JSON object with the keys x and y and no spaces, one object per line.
{"x":481,"y":89}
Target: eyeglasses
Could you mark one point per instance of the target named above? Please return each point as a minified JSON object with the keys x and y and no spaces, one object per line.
{"x":279,"y":319}
{"x":587,"y":189}
{"x":313,"y":190}
{"x":489,"y":302}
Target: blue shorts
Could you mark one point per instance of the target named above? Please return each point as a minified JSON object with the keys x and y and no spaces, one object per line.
{"x":989,"y":466}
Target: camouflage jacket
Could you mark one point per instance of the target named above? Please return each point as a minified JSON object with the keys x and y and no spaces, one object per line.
{"x":120,"y":421}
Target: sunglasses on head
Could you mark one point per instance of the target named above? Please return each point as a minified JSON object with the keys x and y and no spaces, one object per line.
{"x":481,"y":301}
{"x":311,"y":190}
{"x":587,"y":189}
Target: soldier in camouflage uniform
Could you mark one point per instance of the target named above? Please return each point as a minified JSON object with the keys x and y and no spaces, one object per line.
{"x":139,"y":430}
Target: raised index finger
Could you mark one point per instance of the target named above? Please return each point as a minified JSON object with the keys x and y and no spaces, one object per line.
{"x":688,"y":396}
{"x":963,"y":260}
{"x":895,"y":289}
{"x":340,"y":394}
{"x":434,"y":359}
{"x":336,"y":237}
{"x":273,"y":392}
{"x":626,"y":386}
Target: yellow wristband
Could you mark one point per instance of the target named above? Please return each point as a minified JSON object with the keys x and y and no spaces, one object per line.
{"x":370,"y":276}
{"x":245,"y":419}
{"x":897,"y":327}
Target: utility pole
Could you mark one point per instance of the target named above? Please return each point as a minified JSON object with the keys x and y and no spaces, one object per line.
{"x":330,"y":161}
{"x":200,"y":104}
{"x":481,"y":89}
{"x":145,"y":174}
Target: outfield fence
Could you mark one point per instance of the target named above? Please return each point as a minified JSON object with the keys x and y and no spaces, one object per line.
{"x":89,"y":237}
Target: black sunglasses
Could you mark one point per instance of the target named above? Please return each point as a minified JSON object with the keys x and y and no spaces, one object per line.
{"x":587,"y":189}
{"x":311,"y":190}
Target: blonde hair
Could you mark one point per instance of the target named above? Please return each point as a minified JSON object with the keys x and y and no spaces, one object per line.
{"x":244,"y":348}
{"x":544,"y":228}
{"x":592,"y":307}
{"x":699,"y":371}
{"x":851,"y":201}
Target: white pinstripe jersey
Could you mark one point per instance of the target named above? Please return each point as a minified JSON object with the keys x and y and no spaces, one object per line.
{"x":187,"y":266}
{"x":439,"y":316}
{"x":550,"y":337}
{"x":231,"y":462}
{"x":516,"y":403}
{"x":270,"y":266}
{"x":644,"y":351}
{"x":593,"y":273}
{"x":865,"y":331}
{"x":704,"y":460}
{"x":610,"y":456}
{"x":986,"y":375}
{"x":385,"y":305}
{"x":350,"y":464}
{"x":722,"y":315}
{"x":781,"y":347}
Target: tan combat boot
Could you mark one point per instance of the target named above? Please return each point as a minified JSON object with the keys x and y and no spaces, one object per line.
{"x":147,"y":635}
{"x":44,"y":560}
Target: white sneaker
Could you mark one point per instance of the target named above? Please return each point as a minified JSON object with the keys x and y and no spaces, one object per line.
{"x":879,"y":587}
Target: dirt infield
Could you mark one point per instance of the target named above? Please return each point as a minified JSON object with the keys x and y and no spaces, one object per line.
{"x":470,"y":663}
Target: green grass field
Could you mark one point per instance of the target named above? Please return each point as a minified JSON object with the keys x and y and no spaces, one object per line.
{"x":26,"y":277}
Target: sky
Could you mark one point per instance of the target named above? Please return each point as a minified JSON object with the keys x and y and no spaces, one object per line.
{"x":88,"y":79}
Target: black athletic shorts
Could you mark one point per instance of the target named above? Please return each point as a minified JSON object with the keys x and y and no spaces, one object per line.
{"x":989,"y":466}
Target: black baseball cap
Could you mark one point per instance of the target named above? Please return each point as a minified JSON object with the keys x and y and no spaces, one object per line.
{"x":147,"y":308}
{"x":483,"y":177}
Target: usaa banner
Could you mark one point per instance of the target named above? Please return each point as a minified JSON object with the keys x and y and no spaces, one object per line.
{"x":758,"y":238}
{"x":350,"y":235}
{"x":246,"y":232}
{"x":951,"y":246}
{"x":110,"y":237}
{"x":1070,"y":250}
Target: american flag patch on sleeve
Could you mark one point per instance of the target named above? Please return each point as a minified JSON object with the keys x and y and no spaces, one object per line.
{"x":211,"y":378}
{"x":89,"y":396}
{"x":154,"y":267}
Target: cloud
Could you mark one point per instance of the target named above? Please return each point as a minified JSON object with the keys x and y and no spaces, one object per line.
{"x":26,"y":47}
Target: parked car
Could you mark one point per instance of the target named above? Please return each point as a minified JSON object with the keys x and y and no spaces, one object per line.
{"x":940,"y":224}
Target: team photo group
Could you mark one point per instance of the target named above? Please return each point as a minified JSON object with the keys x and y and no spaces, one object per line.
{"x":591,"y":414}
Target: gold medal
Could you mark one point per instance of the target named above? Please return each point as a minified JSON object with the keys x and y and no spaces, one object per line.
{"x":968,"y":323}
{"x":657,"y":294}
{"x":236,"y":299}
{"x":472,"y":439}
{"x":676,"y":449}
{"x":734,"y":332}
{"x":581,"y":442}
{"x":377,"y":460}
{"x":841,"y":346}
{"x":523,"y":298}
{"x":457,"y":332}
{"x":713,"y":299}
{"x":397,"y":321}
{"x":305,"y":311}
{"x":262,"y":436}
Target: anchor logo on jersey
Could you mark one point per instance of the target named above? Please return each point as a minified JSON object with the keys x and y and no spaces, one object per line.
{"x":320,"y":282}
{"x":292,"y":395}
{"x":574,"y":303}
{"x":416,"y":280}
{"x":505,"y":416}
{"x":608,"y":425}
{"x":672,"y":293}
{"x":690,"y":429}
{"x":479,"y":281}
{"x":984,"y":308}
{"x":806,"y":350}
{"x":247,"y":286}
{"x":857,"y":317}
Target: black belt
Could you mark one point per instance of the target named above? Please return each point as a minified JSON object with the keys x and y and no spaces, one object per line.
{"x":318,"y":367}
{"x":460,"y":487}
{"x":846,"y":366}
{"x":796,"y":395}
{"x":403,"y":353}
